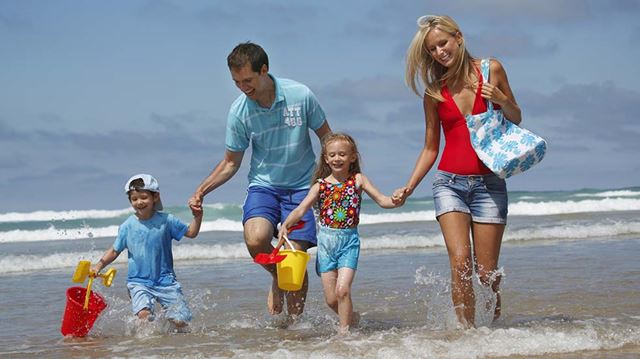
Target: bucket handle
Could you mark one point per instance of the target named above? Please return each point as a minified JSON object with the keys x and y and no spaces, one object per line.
{"x":289,"y":243}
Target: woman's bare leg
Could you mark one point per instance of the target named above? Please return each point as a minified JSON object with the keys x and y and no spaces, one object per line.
{"x":487,"y":239}
{"x":455,"y":228}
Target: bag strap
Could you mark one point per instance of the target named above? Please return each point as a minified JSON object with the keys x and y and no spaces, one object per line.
{"x":484,"y":69}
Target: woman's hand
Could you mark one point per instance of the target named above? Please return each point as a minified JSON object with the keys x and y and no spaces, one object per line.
{"x":494,"y":94}
{"x":400,"y":195}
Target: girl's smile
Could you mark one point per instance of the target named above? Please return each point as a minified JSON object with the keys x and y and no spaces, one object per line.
{"x":339,"y":156}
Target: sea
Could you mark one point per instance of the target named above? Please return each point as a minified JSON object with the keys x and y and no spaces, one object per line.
{"x":571,"y":287}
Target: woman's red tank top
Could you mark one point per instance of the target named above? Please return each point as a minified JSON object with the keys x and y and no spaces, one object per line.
{"x":458,"y":156}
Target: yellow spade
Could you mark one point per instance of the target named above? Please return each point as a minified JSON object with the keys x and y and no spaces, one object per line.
{"x":84,"y":270}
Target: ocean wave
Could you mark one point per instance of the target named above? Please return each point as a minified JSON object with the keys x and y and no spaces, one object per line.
{"x":390,"y":217}
{"x":52,"y":233}
{"x":619,"y":193}
{"x":524,"y":208}
{"x":574,"y":231}
{"x":46,"y":216}
{"x":539,"y":339}
{"x":28,"y":263}
{"x":183,"y":252}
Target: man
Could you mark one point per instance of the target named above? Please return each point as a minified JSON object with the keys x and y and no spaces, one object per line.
{"x":273,"y":115}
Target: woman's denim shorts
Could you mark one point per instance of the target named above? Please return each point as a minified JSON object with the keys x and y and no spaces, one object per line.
{"x":484,"y":197}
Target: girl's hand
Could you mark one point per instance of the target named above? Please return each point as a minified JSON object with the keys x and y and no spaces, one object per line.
{"x":400,"y":195}
{"x":283,"y":231}
{"x":493,"y":94}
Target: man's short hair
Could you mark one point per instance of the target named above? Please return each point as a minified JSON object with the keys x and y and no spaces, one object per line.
{"x":247,"y":52}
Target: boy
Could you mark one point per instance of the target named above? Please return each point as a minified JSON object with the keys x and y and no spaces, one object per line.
{"x":147,"y":237}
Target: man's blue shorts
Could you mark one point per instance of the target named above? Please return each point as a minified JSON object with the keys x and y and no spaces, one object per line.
{"x":169,"y":296}
{"x":275,"y":204}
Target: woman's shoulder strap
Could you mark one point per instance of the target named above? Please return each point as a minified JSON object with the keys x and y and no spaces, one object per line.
{"x":484,"y":68}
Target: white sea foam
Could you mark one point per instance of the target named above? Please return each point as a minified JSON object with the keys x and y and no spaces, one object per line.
{"x":188,"y":251}
{"x":45,"y":216}
{"x":53,"y":233}
{"x":574,"y":231}
{"x":28,"y":263}
{"x":402,"y":242}
{"x":620,"y":193}
{"x":389,"y":217}
{"x":564,"y":207}
{"x":483,"y":342}
{"x":520,"y":208}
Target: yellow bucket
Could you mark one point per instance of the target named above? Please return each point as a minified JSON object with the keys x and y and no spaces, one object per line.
{"x":292,"y":269}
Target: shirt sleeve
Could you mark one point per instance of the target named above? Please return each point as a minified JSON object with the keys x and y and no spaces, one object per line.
{"x":177,"y":228}
{"x":315,"y":113}
{"x":236,"y":138}
{"x":120,"y":243}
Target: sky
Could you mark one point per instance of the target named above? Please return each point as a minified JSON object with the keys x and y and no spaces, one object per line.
{"x":93,"y":92}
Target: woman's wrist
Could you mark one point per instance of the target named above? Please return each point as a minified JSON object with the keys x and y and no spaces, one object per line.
{"x":408,"y":189}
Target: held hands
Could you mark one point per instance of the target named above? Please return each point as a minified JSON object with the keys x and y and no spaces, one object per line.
{"x":195,"y":203}
{"x":400,"y":195}
{"x":493,"y":94}
{"x":197,"y":212}
{"x":284,"y":230}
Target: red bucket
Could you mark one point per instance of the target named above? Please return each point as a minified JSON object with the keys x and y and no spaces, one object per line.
{"x":76,"y":321}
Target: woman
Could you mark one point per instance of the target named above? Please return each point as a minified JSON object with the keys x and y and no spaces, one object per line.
{"x":468,"y":197}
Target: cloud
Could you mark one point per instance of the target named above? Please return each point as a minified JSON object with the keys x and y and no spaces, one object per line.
{"x":87,"y":170}
{"x":588,"y":129}
{"x":373,"y":89}
{"x":510,"y":44}
{"x":243,"y":14}
{"x":9,"y":134}
{"x":13,"y":21}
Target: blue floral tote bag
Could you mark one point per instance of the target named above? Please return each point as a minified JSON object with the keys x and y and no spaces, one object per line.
{"x":500,"y":144}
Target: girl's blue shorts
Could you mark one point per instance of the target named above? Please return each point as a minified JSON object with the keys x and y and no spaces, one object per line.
{"x":337,"y":248}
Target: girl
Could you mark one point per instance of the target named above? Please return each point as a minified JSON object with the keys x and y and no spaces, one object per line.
{"x":337,"y":187}
{"x":468,"y":197}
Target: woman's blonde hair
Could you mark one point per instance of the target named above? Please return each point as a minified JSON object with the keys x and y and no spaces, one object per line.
{"x":421,"y":67}
{"x":322,"y":168}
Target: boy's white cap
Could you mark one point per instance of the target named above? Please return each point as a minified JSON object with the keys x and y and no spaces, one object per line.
{"x":150,"y":184}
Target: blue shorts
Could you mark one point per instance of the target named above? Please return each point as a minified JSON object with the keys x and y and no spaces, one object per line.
{"x":484,"y":197}
{"x":337,"y":248}
{"x":275,"y":205}
{"x":170,"y":298}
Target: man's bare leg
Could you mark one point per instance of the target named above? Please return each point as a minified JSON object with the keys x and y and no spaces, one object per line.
{"x":258,"y":233}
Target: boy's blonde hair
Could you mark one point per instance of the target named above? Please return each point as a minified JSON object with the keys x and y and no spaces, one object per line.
{"x":421,"y":67}
{"x":322,"y":168}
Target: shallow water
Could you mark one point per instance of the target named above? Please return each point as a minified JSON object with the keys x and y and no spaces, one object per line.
{"x":570,"y":289}
{"x":565,"y":298}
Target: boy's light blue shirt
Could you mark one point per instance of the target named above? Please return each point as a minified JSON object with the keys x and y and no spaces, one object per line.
{"x":282,"y":155}
{"x":148,"y":244}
